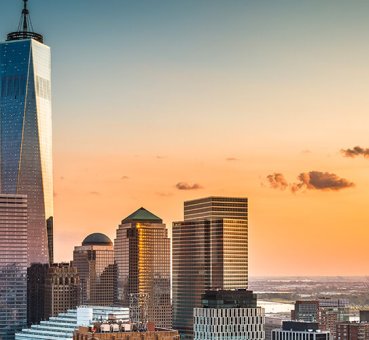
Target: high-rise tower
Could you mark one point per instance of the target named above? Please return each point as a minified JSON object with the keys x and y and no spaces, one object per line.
{"x":26,"y":131}
{"x":210,"y":251}
{"x":142,"y":254}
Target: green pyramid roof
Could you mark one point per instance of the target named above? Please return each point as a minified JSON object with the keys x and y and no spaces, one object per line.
{"x":142,"y":215}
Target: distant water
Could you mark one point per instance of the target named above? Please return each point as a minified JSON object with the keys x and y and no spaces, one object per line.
{"x":276,"y":307}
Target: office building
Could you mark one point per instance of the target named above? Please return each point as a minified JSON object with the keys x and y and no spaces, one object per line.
{"x":210,"y":251}
{"x":353,"y":331}
{"x":51,"y":290}
{"x":142,"y":254}
{"x":36,"y":281}
{"x":299,"y":330}
{"x":94,"y":261}
{"x":26,"y":135}
{"x":61,"y":289}
{"x":270,"y":324}
{"x":326,"y":311}
{"x":13,"y":264}
{"x":61,"y":327}
{"x":231,"y":314}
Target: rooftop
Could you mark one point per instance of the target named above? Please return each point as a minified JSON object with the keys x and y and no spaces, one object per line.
{"x":142,"y":215}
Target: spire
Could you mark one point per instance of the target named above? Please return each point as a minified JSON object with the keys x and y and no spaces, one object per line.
{"x":25,"y":28}
{"x":25,"y":14}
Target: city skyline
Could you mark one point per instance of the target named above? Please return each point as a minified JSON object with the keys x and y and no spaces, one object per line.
{"x":159,"y":104}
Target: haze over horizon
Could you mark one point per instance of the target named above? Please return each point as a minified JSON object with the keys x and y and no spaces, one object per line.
{"x":158,"y":103}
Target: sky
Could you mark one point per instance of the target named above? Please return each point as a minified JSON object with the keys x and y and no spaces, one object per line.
{"x":235,"y":98}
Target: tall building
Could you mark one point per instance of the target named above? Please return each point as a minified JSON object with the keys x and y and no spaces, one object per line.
{"x":94,"y":261}
{"x":210,"y":251}
{"x":26,"y":141}
{"x":229,"y":314}
{"x":142,"y":254}
{"x":61,"y":289}
{"x":36,"y":281}
{"x":13,"y":264}
{"x":51,"y":290}
{"x":298,"y":330}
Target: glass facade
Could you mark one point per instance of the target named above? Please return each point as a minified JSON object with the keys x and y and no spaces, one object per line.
{"x":142,"y":254}
{"x":13,"y":264}
{"x":210,"y":251}
{"x":97,"y":272}
{"x":26,"y":137}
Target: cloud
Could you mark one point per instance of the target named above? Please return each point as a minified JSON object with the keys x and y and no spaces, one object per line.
{"x":160,"y":157}
{"x":306,"y":152}
{"x":355,"y":152}
{"x":317,"y":180}
{"x":187,"y":186}
{"x":124,"y":178}
{"x":313,"y":180}
{"x":232,"y":159}
{"x":277,"y":181}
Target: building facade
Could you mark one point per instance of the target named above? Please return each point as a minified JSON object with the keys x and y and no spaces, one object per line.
{"x":96,"y":268}
{"x":62,"y":326}
{"x":26,"y":132}
{"x":327,"y":312}
{"x":229,"y":315}
{"x":142,"y":254}
{"x":210,"y":251}
{"x":61,"y":289}
{"x":352,"y":331}
{"x":51,"y":290}
{"x":13,"y":264}
{"x":297,"y":330}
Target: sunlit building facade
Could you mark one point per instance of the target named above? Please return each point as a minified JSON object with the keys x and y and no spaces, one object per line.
{"x":13,"y":264}
{"x":142,"y":254}
{"x":26,"y":132}
{"x":94,"y":261}
{"x":210,"y":251}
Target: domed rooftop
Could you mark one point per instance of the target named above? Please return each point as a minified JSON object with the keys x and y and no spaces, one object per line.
{"x":97,"y":239}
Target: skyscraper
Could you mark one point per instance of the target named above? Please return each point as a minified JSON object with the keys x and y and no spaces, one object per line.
{"x":142,"y":254}
{"x":13,"y":264}
{"x":26,"y":141}
{"x":210,"y":251}
{"x":95,"y":265}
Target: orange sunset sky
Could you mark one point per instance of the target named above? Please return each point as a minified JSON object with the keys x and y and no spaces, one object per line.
{"x":222,"y":95}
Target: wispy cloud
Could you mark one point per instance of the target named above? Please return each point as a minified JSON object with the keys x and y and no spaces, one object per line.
{"x":313,"y":180}
{"x":187,"y":186}
{"x":124,"y":178}
{"x":95,"y":193}
{"x":232,"y":159}
{"x":357,"y":151}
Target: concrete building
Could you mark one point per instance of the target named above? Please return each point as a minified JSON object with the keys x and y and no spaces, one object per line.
{"x":298,"y":330}
{"x":51,"y":290}
{"x":229,"y":314}
{"x":96,"y":268}
{"x":142,"y":254}
{"x":210,"y":251}
{"x":353,"y":331}
{"x":270,"y":324}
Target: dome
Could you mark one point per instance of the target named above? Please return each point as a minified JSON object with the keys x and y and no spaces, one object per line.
{"x":97,"y":239}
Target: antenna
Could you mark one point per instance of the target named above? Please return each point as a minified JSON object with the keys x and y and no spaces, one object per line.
{"x":25,"y":28}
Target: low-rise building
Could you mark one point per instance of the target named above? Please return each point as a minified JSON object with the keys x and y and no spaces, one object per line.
{"x":298,"y":330}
